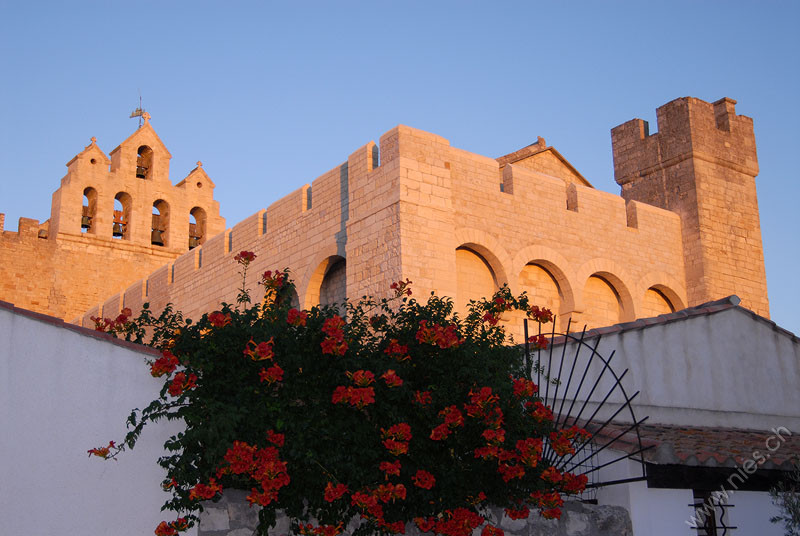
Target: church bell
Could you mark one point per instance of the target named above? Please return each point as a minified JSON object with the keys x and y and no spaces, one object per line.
{"x":155,"y":238}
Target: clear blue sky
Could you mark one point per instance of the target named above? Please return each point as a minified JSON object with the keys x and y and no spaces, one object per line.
{"x":269,"y":95}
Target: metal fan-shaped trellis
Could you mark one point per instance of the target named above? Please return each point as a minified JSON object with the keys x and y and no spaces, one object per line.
{"x":581,"y":388}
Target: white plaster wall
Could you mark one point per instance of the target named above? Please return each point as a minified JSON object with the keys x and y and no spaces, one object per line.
{"x":62,"y":393}
{"x":751,"y":513}
{"x":725,"y":369}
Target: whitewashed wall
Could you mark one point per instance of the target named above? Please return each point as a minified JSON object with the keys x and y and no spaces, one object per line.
{"x":63,"y":392}
{"x":726,"y":369}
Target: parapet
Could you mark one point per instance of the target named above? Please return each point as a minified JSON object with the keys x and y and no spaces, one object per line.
{"x":687,"y":127}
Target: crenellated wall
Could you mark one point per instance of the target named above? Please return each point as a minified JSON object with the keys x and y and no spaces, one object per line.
{"x":454,"y":222}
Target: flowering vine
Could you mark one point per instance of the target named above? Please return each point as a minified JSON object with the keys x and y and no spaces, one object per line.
{"x":390,"y":411}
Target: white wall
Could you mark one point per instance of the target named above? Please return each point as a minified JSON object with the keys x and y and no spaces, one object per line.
{"x":725,"y":369}
{"x":61,"y":393}
{"x":751,"y":512}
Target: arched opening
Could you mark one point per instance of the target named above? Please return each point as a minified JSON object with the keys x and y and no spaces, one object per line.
{"x":656,"y":303}
{"x":122,"y":216}
{"x":542,"y":288}
{"x":333,"y":289}
{"x":197,"y":227}
{"x":160,"y":223}
{"x":475,"y":277}
{"x":89,"y":210}
{"x":144,"y":162}
{"x":602,"y":301}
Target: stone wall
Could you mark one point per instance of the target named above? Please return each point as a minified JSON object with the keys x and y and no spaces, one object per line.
{"x":233,"y":516}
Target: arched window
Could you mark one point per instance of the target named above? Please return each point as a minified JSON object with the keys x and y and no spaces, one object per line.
{"x":197,"y":227}
{"x":160,"y":226}
{"x":144,"y":162}
{"x":122,"y":216}
{"x":89,"y":210}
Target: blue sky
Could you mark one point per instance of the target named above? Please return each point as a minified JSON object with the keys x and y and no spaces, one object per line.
{"x":270,"y":95}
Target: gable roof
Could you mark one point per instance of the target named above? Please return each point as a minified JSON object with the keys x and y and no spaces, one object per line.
{"x":705,"y":309}
{"x":540,"y":147}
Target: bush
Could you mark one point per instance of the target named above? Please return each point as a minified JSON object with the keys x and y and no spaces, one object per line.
{"x":396,"y":412}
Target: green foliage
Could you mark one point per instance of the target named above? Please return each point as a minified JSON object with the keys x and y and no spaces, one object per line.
{"x":786,"y":496}
{"x":305,"y":402}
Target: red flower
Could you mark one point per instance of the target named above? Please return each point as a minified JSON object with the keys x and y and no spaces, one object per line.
{"x":331,"y":346}
{"x":540,"y":315}
{"x":336,"y":492}
{"x":541,"y":412}
{"x":400,"y":288}
{"x":574,"y":484}
{"x":552,"y":475}
{"x":521,"y":513}
{"x":423,"y":479}
{"x":271,"y":375}
{"x":423,"y":398}
{"x":401,"y":431}
{"x":397,"y":350}
{"x":490,"y":319}
{"x":245,"y":257}
{"x":297,"y":318}
{"x":164,"y":529}
{"x":260,"y":351}
{"x":530,"y":451}
{"x":180,"y":383}
{"x":275,"y":438}
{"x":396,"y":447}
{"x":390,"y":468}
{"x":538,"y":342}
{"x":391,"y":378}
{"x":333,"y":327}
{"x":164,"y":365}
{"x":361,"y":378}
{"x":452,"y":416}
{"x":440,"y":432}
{"x":524,"y":387}
{"x":205,"y":492}
{"x":390,"y":492}
{"x":494,"y":436}
{"x":425,"y":524}
{"x":273,"y":281}
{"x":510,"y":472}
{"x":219,"y":320}
{"x":490,"y":530}
{"x":102,"y":452}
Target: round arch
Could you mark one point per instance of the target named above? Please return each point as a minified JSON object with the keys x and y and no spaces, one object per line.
{"x":309,"y":287}
{"x":615,"y":275}
{"x":552,"y":262}
{"x":672,"y":289}
{"x":489,"y":248}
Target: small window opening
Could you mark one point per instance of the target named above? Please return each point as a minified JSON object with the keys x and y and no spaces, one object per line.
{"x":144,"y":162}
{"x":160,"y":223}
{"x":197,"y":227}
{"x":122,"y":216}
{"x":89,"y":210}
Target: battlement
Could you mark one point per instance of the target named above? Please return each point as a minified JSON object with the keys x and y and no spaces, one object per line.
{"x":687,"y":127}
{"x":417,"y":207}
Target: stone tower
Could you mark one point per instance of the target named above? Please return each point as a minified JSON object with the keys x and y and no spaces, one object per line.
{"x":702,"y":165}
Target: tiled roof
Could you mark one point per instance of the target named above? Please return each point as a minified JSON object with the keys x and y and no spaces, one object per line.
{"x":705,"y":309}
{"x":57,"y":322}
{"x":706,"y":447}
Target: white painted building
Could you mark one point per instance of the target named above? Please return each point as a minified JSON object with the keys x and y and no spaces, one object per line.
{"x":720,"y":387}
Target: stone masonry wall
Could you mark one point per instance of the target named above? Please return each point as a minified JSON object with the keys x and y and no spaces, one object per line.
{"x":403,"y":210}
{"x":233,"y":516}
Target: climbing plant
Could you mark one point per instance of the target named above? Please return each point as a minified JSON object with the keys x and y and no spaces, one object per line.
{"x":386,"y":412}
